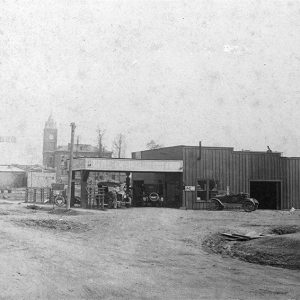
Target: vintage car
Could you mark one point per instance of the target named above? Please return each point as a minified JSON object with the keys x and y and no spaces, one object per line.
{"x":155,"y":199}
{"x":231,"y":201}
{"x":152,"y":195}
{"x":152,"y":199}
{"x":117,"y":196}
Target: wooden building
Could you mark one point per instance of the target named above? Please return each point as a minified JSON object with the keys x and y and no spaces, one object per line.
{"x":267,"y":176}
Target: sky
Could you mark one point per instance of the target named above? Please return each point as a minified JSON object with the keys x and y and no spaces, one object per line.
{"x":226,"y":73}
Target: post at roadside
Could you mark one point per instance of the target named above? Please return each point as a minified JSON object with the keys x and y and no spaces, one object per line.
{"x":70,"y":165}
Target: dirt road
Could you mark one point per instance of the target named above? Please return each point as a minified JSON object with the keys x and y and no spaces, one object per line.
{"x":138,"y":253}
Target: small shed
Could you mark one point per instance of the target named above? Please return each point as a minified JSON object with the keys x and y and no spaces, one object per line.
{"x":12,"y":177}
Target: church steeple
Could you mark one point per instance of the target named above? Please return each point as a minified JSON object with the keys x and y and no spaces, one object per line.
{"x":49,"y":142}
{"x":50,"y":122}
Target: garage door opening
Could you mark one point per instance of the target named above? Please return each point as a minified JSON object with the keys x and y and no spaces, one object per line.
{"x":166,"y":185}
{"x":268,"y":193}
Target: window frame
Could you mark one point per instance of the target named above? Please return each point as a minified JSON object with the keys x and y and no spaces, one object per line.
{"x":209,"y":182}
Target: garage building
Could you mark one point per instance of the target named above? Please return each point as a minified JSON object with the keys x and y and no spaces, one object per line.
{"x":267,"y":176}
{"x":188,"y":176}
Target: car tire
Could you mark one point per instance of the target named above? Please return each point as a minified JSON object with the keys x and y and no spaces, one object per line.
{"x":248,"y":206}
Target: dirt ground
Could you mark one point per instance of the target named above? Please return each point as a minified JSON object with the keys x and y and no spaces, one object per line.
{"x":137,"y":253}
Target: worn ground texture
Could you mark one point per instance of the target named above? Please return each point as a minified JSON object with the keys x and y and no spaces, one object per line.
{"x":137,"y":253}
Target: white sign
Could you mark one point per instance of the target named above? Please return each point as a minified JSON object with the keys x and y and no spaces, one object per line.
{"x":190,"y":188}
{"x":127,"y":165}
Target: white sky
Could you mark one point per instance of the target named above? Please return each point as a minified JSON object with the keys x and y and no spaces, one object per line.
{"x":224,"y":72}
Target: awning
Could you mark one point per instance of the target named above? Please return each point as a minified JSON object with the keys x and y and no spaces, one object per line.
{"x":127,"y":165}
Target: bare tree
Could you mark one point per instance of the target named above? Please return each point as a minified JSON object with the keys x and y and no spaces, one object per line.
{"x":153,"y":145}
{"x":119,"y":145}
{"x":100,"y":136}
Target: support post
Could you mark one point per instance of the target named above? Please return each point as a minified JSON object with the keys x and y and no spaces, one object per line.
{"x":26,"y":195}
{"x":34,"y":195}
{"x":127,"y":181}
{"x":70,"y":166}
{"x":102,"y":198}
{"x":84,"y":174}
{"x":72,"y":189}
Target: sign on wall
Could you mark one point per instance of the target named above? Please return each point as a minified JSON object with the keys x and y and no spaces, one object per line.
{"x":190,"y":188}
{"x":127,"y":165}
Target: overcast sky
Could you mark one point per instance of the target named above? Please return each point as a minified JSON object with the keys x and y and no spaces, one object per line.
{"x":223,"y":72}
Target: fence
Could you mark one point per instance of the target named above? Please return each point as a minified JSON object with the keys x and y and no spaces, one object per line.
{"x":95,"y":197}
{"x":17,"y":194}
{"x":39,"y":195}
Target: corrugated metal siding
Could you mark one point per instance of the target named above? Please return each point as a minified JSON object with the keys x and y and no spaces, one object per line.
{"x":237,"y":168}
{"x":163,"y":153}
{"x":282,"y":173}
{"x":293,"y":180}
{"x":189,"y":175}
{"x":214,"y":164}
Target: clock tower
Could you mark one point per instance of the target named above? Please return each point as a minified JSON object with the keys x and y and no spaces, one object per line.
{"x":49,"y":143}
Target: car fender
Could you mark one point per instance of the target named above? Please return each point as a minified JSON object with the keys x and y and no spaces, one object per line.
{"x":218,"y":200}
{"x":254,"y":201}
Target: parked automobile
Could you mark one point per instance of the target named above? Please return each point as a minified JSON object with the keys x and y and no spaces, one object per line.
{"x":240,"y":200}
{"x":152,"y":199}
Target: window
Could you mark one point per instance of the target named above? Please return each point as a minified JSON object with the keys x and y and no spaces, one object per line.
{"x":206,"y":189}
{"x":202,"y":190}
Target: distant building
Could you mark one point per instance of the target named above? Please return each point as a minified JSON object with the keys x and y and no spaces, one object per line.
{"x":62,"y":154}
{"x":12,"y":177}
{"x":55,"y":157}
{"x":49,"y":143}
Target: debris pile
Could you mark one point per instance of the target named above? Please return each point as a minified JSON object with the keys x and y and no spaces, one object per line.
{"x":56,"y":224}
{"x":239,"y":237}
{"x":279,"y":247}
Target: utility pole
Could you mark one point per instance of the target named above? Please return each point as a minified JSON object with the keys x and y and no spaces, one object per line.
{"x":70,"y":165}
{"x":77,"y":146}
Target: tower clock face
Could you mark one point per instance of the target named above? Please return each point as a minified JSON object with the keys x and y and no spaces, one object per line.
{"x":51,"y":137}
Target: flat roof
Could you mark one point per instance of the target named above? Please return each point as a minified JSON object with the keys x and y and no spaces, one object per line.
{"x":127,"y":165}
{"x":8,"y":168}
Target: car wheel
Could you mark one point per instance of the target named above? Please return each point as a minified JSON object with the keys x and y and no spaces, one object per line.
{"x":248,"y":206}
{"x":215,"y":205}
{"x":59,"y":200}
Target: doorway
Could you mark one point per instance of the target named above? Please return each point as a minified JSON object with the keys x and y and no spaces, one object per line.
{"x":137,"y":197}
{"x":268,"y":193}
